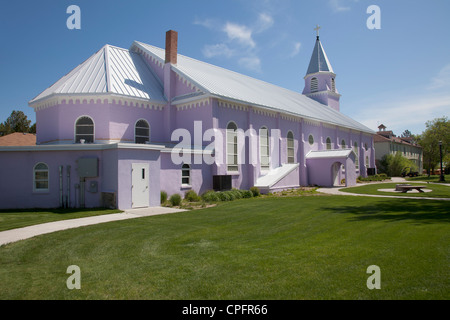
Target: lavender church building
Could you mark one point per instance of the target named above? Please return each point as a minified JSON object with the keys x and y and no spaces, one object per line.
{"x":129,"y":123}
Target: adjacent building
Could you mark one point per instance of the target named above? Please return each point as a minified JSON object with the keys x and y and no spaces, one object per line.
{"x":386,"y":142}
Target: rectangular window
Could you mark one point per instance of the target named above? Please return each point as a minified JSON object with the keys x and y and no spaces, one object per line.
{"x":232,"y":150}
{"x":290,"y":150}
{"x":264,"y":148}
{"x":40,"y":178}
{"x":186,"y":175}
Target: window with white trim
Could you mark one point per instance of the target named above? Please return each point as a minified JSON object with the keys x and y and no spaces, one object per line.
{"x":84,"y":130}
{"x":355,"y":149}
{"x":186,"y":175}
{"x":142,"y":132}
{"x":328,"y":143}
{"x":264,"y":148}
{"x":40,"y":177}
{"x":343,"y":144}
{"x":290,"y":147}
{"x":232,"y":147}
{"x":311,"y":139}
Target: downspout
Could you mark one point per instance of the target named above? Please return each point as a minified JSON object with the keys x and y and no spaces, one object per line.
{"x":68,"y":188}
{"x":82,"y":181}
{"x":61,"y":202}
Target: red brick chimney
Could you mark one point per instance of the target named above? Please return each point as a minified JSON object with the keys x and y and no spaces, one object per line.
{"x":171,"y":46}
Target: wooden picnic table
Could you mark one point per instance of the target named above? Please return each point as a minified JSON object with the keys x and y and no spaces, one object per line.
{"x":404,"y":188}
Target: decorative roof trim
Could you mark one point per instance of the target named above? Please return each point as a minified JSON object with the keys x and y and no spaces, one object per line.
{"x":318,"y":93}
{"x":58,"y":99}
{"x":193,"y":104}
{"x":82,"y":147}
{"x":233,"y":105}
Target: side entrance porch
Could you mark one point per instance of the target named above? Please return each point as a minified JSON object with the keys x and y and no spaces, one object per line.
{"x":328,"y":168}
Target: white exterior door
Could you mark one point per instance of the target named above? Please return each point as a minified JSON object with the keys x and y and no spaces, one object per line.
{"x":336,"y":169}
{"x":139,"y":185}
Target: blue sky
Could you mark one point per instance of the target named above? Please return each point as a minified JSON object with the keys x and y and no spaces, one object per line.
{"x":398,"y":75}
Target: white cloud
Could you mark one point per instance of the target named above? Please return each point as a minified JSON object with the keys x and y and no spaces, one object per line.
{"x":220,"y":49}
{"x":442,"y":80}
{"x":207,"y":23}
{"x":252,"y":63}
{"x":264,"y":22}
{"x":296,"y":49}
{"x":239,"y":43}
{"x":401,"y":114}
{"x":340,"y":5}
{"x":240,"y":33}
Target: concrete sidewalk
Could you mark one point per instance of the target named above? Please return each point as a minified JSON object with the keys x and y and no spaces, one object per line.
{"x":32,"y":231}
{"x":336,"y":190}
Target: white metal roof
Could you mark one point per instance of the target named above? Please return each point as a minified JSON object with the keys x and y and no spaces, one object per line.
{"x":109,"y":70}
{"x":339,"y":153}
{"x":275,"y":175}
{"x":237,"y":87}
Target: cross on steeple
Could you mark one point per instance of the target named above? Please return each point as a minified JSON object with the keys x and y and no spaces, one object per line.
{"x":317,"y":28}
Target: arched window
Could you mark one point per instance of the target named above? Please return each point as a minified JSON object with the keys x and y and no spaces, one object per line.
{"x":333,"y":85}
{"x":186,"y":175}
{"x":264,"y":148}
{"x":290,"y":147}
{"x":40,"y":177}
{"x":311,"y":139}
{"x":355,"y":149}
{"x":84,"y":130}
{"x":232,"y":147}
{"x":328,"y":143}
{"x":142,"y":132}
{"x":314,"y":85}
{"x":343,"y":144}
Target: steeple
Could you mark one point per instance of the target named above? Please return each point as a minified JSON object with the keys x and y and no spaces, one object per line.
{"x":320,"y":78}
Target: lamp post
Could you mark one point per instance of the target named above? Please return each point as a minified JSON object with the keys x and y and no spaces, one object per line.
{"x":441,"y":177}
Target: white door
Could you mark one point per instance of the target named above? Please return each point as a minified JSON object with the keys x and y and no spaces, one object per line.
{"x":336,"y":169}
{"x":139,"y":185}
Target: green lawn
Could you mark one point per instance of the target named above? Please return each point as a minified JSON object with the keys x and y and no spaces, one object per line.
{"x":437,"y":190}
{"x":432,"y":178}
{"x":274,"y":248}
{"x":11,"y":219}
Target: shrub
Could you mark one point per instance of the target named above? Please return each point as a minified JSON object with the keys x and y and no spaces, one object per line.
{"x":223,"y":196}
{"x":255,"y":191}
{"x":191,"y":196}
{"x":210,"y":196}
{"x":238,"y":194}
{"x":247,"y":194}
{"x":393,"y":165}
{"x":163,"y":197}
{"x":175,"y":199}
{"x":231,"y":195}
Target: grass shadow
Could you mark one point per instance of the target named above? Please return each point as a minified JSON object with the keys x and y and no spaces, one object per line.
{"x":417,"y":211}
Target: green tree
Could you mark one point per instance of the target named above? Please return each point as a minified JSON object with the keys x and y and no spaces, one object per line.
{"x":393,"y":165}
{"x":406,"y":134}
{"x":436,"y":130}
{"x":16,"y":122}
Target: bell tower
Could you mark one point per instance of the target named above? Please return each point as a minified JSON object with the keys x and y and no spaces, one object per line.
{"x":320,"y":80}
